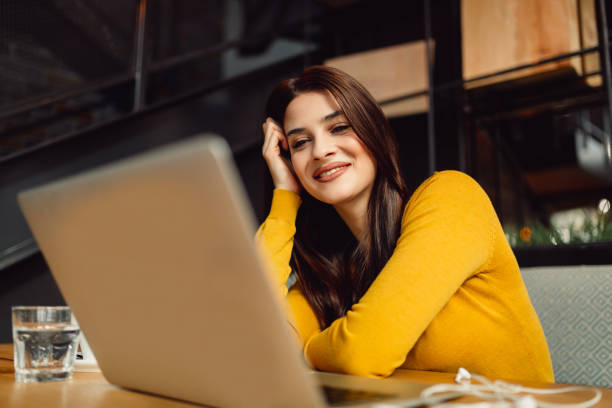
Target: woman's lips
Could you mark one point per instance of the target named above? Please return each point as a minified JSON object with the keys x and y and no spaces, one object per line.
{"x":330,"y":171}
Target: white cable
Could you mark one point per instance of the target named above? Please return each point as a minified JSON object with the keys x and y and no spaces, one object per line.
{"x":500,"y":394}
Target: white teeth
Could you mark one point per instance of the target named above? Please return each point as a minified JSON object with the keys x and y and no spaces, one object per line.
{"x":332,"y":171}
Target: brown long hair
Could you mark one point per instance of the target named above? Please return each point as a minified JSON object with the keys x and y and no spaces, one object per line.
{"x":334,"y":270}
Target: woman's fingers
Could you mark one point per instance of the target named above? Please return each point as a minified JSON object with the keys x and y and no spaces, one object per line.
{"x":274,"y":139}
{"x":279,"y":166}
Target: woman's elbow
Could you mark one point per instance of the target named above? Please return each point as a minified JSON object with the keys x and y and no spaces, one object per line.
{"x":360,"y":363}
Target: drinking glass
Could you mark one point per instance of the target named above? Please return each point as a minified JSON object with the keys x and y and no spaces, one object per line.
{"x":45,"y":343}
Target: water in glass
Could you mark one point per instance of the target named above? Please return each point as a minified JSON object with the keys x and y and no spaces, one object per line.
{"x":44,"y":350}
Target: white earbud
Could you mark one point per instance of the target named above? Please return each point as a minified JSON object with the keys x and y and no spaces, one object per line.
{"x":463,"y":376}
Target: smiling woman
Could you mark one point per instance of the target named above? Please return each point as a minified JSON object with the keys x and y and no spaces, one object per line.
{"x":385,"y":280}
{"x":330,"y":161}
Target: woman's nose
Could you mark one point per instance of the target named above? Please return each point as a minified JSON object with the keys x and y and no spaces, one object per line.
{"x":323,"y":147}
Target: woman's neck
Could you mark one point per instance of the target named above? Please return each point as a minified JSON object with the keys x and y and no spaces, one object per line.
{"x":355,"y":215}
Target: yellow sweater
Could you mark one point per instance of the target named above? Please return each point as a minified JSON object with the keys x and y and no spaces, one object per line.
{"x":450,"y":296}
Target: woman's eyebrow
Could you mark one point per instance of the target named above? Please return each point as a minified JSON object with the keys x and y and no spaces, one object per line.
{"x":295,"y":131}
{"x":332,"y":115}
{"x":325,"y":119}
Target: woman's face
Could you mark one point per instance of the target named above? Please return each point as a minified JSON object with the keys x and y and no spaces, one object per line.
{"x":331,"y":162}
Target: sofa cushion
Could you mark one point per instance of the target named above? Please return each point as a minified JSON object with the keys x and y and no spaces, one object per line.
{"x":575,"y":308}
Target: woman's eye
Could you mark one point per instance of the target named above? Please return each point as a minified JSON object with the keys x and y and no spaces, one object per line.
{"x":340,"y":128}
{"x":298,"y":143}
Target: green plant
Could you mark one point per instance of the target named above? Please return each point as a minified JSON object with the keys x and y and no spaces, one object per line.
{"x":578,"y":226}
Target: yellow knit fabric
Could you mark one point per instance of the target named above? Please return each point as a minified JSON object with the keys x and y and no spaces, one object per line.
{"x":450,"y":296}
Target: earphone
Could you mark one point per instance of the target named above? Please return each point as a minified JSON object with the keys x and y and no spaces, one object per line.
{"x":499,"y":394}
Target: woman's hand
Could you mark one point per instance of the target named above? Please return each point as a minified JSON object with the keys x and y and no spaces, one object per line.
{"x":280,"y":167}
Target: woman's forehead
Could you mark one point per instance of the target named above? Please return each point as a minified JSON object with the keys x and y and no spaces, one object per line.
{"x":310,"y":108}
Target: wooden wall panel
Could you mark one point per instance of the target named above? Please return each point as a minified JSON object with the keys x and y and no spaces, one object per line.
{"x":502,"y":34}
{"x":390,"y":72}
{"x":590,"y":62}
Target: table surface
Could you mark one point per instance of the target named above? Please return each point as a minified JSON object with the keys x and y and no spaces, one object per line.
{"x":92,"y":390}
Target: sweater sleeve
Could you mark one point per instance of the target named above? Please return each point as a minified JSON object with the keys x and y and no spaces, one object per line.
{"x":275,"y":236}
{"x":446,"y":237}
{"x":275,"y":239}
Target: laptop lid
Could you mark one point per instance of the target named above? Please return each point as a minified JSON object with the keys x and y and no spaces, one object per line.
{"x":155,"y":256}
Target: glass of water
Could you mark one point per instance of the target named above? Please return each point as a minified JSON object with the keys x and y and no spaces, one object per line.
{"x":45,"y":343}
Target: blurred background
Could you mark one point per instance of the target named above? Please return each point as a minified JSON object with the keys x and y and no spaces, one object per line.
{"x":515,"y":93}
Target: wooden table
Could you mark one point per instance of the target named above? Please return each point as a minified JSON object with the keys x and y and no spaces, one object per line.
{"x":92,"y":390}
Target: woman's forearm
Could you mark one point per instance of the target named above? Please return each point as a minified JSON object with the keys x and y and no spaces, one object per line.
{"x":275,"y":235}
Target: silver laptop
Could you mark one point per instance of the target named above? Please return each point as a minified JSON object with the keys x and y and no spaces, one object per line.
{"x":155,"y":256}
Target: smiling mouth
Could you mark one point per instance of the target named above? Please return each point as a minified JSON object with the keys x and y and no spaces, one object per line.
{"x":332,"y":173}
